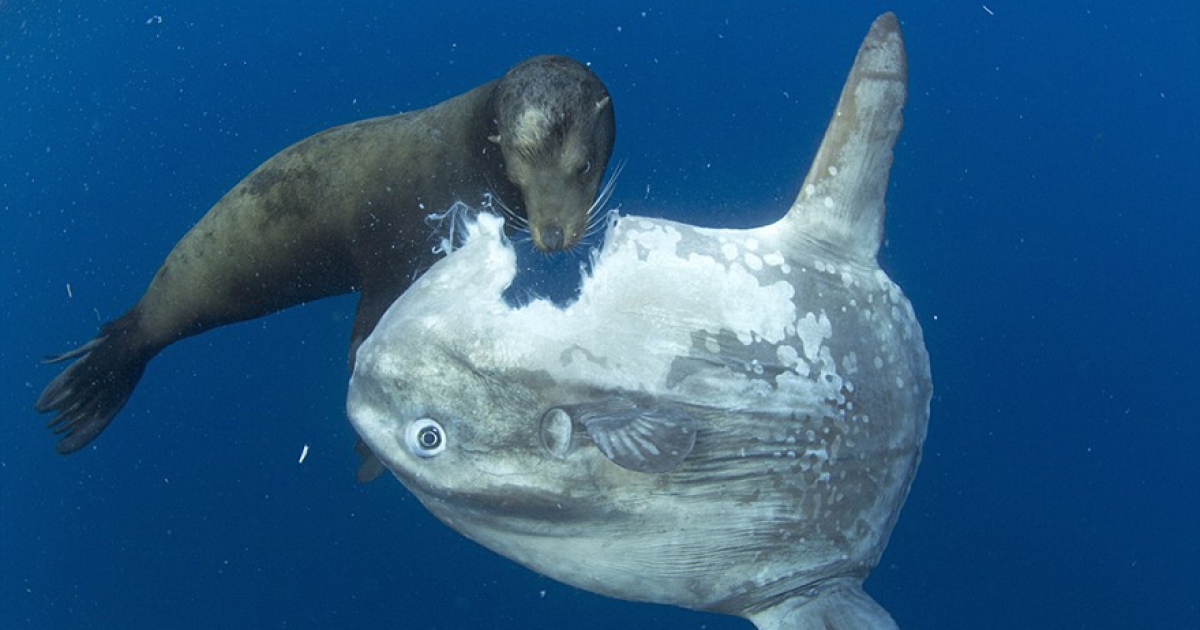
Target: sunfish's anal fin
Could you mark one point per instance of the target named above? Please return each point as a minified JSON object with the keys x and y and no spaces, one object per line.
{"x":841,"y":203}
{"x":833,"y":605}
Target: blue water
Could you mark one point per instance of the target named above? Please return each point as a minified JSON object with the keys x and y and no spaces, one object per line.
{"x":1042,"y":218}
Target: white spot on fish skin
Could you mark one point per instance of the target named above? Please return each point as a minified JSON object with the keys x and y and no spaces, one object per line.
{"x":828,"y":202}
{"x":774,"y":259}
{"x":810,"y":190}
{"x":753,"y":262}
{"x":712,"y":345}
{"x":730,"y":251}
{"x":899,"y":383}
{"x":813,"y":330}
{"x":787,"y":356}
{"x":751,"y":244}
{"x":833,"y":171}
{"x":850,"y":363}
{"x":847,"y":278}
{"x":878,"y":363}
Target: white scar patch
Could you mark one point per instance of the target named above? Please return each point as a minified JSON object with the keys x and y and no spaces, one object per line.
{"x":532,"y":128}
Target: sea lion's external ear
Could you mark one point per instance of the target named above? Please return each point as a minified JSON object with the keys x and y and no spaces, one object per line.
{"x":495,"y":138}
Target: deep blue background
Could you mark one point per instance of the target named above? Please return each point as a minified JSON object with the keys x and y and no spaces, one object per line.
{"x":1042,"y":218}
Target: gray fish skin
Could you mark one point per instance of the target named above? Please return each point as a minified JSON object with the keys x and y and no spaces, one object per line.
{"x":726,"y":420}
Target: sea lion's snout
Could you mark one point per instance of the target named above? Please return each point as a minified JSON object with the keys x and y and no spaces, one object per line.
{"x":550,"y":239}
{"x":559,"y":231}
{"x":557,"y":210}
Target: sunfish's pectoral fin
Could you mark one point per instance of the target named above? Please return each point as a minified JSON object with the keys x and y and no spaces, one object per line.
{"x":641,"y":439}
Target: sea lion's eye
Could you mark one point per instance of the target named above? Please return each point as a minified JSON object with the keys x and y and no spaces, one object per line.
{"x":425,"y":437}
{"x":583,"y":170}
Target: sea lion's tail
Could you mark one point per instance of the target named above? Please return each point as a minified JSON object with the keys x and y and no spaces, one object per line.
{"x":89,"y":393}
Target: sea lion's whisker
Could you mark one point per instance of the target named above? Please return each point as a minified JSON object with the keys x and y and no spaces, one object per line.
{"x":597,"y":221}
{"x":606,"y":190}
{"x":600,"y":223}
{"x":512,"y":217}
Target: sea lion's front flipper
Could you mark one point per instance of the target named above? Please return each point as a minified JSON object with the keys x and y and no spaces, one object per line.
{"x":642,"y":439}
{"x":369,"y":465}
{"x":89,"y":393}
{"x":373,"y":302}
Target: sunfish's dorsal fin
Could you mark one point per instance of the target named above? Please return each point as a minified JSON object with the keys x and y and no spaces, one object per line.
{"x":841,"y":201}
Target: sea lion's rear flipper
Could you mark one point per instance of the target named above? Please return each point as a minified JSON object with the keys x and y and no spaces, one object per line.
{"x":835,"y":605}
{"x":89,"y":393}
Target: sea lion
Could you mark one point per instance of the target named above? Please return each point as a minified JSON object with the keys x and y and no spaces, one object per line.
{"x":727,"y":420}
{"x":346,"y":209}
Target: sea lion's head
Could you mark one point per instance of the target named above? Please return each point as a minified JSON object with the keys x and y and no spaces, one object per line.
{"x":555,"y":127}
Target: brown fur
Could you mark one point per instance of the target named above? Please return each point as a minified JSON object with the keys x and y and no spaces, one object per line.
{"x":346,"y":209}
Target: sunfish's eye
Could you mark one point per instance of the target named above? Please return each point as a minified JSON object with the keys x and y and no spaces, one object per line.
{"x":425,"y":437}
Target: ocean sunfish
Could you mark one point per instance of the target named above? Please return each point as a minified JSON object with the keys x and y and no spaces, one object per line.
{"x":725,"y":420}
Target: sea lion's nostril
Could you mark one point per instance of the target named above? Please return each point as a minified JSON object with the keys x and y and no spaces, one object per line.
{"x":552,"y":238}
